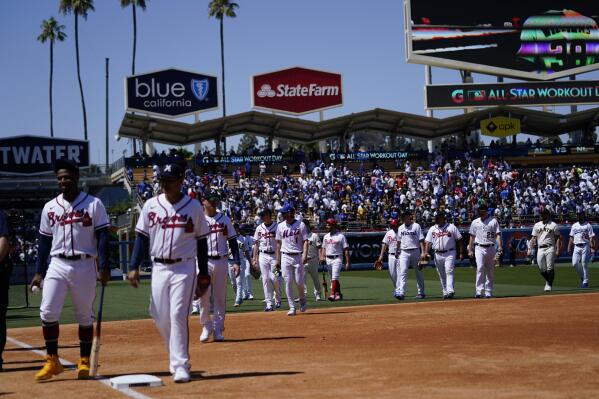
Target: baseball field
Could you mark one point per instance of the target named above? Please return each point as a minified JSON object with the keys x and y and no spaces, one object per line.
{"x":521,"y":344}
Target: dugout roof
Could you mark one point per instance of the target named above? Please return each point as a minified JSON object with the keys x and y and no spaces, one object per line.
{"x":539,"y":123}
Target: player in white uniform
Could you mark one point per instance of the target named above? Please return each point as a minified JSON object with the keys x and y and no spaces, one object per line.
{"x":546,"y":235}
{"x":410,"y":244}
{"x":334,"y":246}
{"x":312,"y":263}
{"x":445,"y":239}
{"x":248,"y":292}
{"x":291,"y":254}
{"x":265,"y":246}
{"x":582,"y":238}
{"x":484,"y":233}
{"x":390,"y":243}
{"x":238,"y":282}
{"x":74,"y":234}
{"x":221,"y":237}
{"x":172,"y":230}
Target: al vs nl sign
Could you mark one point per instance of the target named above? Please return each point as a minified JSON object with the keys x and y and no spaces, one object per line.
{"x":297,"y":90}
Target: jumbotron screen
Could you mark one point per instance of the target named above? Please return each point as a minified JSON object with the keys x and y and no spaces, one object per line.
{"x":531,"y":39}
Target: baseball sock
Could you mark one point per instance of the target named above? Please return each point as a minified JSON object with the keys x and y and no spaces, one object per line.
{"x":338,"y":287}
{"x":51,"y":332}
{"x":333,"y":287}
{"x":86,"y":337}
{"x":550,"y":276}
{"x":545,"y":276}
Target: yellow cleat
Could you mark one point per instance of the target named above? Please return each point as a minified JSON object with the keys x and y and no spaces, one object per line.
{"x":50,"y":369}
{"x":83,"y":368}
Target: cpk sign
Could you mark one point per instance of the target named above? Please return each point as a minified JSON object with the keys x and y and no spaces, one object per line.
{"x":297,"y":90}
{"x":171,"y":93}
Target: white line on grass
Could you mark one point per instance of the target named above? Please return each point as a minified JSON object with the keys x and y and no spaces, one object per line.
{"x":127,"y":391}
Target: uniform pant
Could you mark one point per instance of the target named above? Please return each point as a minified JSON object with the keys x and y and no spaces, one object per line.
{"x":406,"y":259}
{"x":238,"y":282}
{"x":75,"y":276}
{"x":334,"y":267}
{"x":445,"y":263}
{"x":218,"y":269}
{"x":293,"y":274}
{"x":546,"y":259}
{"x":485,"y":263}
{"x":312,"y":268}
{"x":580,"y":260}
{"x":247,"y":288}
{"x":172,"y":292}
{"x":393,"y":266}
{"x":270,"y":283}
{"x":4,"y":285}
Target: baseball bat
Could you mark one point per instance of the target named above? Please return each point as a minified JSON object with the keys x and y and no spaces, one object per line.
{"x":95,"y":355}
{"x":324,"y":284}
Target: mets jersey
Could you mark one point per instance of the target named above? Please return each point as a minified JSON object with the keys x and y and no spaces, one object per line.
{"x":410,"y":236}
{"x":173,"y":229}
{"x":334,"y":244}
{"x":72,"y":225}
{"x":485,"y":231}
{"x":265,"y":236}
{"x":292,"y":236}
{"x":220,"y":229}
{"x":390,"y":239}
{"x":443,"y":238}
{"x":582,"y":233}
{"x":546,"y":234}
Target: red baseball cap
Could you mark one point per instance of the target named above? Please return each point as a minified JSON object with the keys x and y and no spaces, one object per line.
{"x":331,"y":222}
{"x":394,"y":223}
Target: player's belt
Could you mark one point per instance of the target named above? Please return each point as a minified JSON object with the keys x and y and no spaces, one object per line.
{"x":484,"y":245}
{"x":333,"y":256}
{"x":442,"y":252}
{"x":267,"y":252}
{"x":391,"y":253}
{"x":408,"y":249}
{"x":581,"y":245}
{"x":292,"y":253}
{"x":215,"y":257}
{"x":545,"y":246}
{"x":74,"y":257}
{"x":167,"y":261}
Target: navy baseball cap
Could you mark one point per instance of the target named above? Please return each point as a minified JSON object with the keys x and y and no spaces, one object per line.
{"x":212,"y":196}
{"x":287,"y":208}
{"x":483,"y":207}
{"x":172,"y":170}
{"x":67,"y":164}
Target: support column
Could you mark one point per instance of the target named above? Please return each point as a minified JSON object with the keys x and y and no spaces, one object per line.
{"x":149,"y":146}
{"x":217,"y":143}
{"x":428,"y":78}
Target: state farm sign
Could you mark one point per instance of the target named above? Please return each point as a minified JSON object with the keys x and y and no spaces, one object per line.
{"x":297,"y":90}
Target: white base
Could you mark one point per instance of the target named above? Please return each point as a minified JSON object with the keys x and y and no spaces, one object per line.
{"x":135,"y":380}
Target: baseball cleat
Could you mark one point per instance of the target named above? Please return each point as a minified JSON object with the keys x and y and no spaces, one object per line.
{"x":584,"y":285}
{"x":547,"y":287}
{"x":318,"y":298}
{"x":250,"y":297}
{"x":296,"y":300}
{"x":291,"y":312}
{"x":332,"y":298}
{"x":51,"y":368}
{"x":218,"y":336}
{"x":181,"y":375}
{"x":444,"y":296}
{"x":278,"y":304}
{"x":420,"y":296}
{"x":205,"y":334}
{"x":83,"y":368}
{"x":488,"y":296}
{"x":238,"y":302}
{"x":399,"y":297}
{"x":338,"y":297}
{"x":450,"y":295}
{"x":268,"y":309}
{"x":303,"y":306}
{"x":478,"y":296}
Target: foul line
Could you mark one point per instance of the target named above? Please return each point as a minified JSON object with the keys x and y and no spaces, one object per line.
{"x":127,"y":391}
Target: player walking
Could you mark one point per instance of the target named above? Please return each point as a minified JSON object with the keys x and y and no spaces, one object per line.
{"x":334,"y":247}
{"x":248,"y":292}
{"x":409,"y":246}
{"x":265,"y":245}
{"x":484,"y":232}
{"x":238,"y":281}
{"x":582,"y":238}
{"x":389,"y":243}
{"x":220,"y":233}
{"x":311,"y":266}
{"x":172,"y":230}
{"x":291,"y":254}
{"x":6,"y":238}
{"x":444,"y":238}
{"x":73,"y":233}
{"x":546,"y":235}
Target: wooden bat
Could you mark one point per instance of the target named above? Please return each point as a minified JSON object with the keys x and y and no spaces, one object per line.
{"x":324,"y":284}
{"x":95,"y":356}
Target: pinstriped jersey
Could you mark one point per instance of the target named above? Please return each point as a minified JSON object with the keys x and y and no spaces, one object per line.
{"x":73,"y":225}
{"x":173,"y":229}
{"x":220,"y":230}
{"x":265,"y":237}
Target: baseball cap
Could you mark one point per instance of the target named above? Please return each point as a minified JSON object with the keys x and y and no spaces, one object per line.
{"x":67,"y":164}
{"x":287,"y":208}
{"x":212,"y":196}
{"x":394,"y":223}
{"x":331,"y":222}
{"x":172,"y":170}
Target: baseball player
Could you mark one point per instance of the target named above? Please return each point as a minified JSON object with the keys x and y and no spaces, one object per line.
{"x":389,"y":243}
{"x":6,"y":238}
{"x":238,"y":282}
{"x":545,"y":235}
{"x":582,"y":238}
{"x":220,"y":233}
{"x":73,"y":233}
{"x":248,"y":293}
{"x":311,"y":265}
{"x":171,"y":231}
{"x":444,"y":238}
{"x":409,"y":246}
{"x":265,"y":246}
{"x":484,"y":233}
{"x":291,"y":255}
{"x":334,"y":246}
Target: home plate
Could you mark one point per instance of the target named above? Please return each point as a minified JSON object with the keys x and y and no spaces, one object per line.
{"x":135,"y":380}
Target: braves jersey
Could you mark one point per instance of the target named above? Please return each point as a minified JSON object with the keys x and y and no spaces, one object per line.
{"x":410,"y":236}
{"x":265,"y":236}
{"x":72,"y":225}
{"x":292,"y":236}
{"x":334,"y":244}
{"x":443,"y":238}
{"x":220,"y":229}
{"x":313,"y":245}
{"x":546,"y":234}
{"x":173,"y":229}
{"x":485,"y":231}
{"x":582,"y":233}
{"x":390,"y":239}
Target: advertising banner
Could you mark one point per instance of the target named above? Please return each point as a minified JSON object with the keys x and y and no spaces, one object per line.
{"x":31,"y":155}
{"x":242,"y":159}
{"x":296,"y":90}
{"x":500,"y":126}
{"x":171,"y":93}
{"x":533,"y":39}
{"x":514,"y":94}
{"x":375,"y":155}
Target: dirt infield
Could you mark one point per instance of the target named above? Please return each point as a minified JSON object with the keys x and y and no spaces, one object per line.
{"x":535,"y":347}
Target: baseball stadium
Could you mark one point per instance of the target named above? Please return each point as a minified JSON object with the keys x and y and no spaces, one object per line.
{"x":372,"y":223}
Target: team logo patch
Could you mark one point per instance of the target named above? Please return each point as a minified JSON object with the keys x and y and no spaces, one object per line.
{"x":200,"y":88}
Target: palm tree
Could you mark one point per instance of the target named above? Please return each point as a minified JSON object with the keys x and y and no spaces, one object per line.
{"x":220,"y":9}
{"x":78,"y":8}
{"x":134,"y":4}
{"x":51,"y":31}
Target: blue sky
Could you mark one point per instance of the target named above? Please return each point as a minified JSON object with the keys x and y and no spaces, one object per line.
{"x":364,"y":41}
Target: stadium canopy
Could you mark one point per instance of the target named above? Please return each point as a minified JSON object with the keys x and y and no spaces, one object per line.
{"x":533,"y":122}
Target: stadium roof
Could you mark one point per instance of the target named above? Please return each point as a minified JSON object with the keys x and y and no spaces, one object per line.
{"x":538,"y":123}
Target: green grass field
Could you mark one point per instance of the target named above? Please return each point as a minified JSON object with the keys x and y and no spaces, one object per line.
{"x":122,"y":302}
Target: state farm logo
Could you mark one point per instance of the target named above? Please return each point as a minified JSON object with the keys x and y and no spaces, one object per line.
{"x":266,"y":91}
{"x":310,"y":90}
